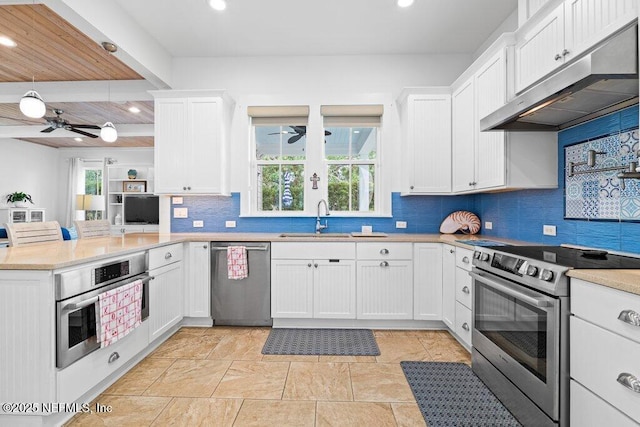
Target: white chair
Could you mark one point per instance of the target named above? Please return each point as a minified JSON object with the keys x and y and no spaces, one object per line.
{"x":33,"y":232}
{"x":97,"y":228}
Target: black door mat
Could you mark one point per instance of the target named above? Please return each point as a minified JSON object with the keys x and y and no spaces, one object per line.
{"x":338,"y":342}
{"x":450,"y":394}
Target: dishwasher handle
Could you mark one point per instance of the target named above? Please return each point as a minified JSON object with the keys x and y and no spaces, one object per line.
{"x":249,"y":248}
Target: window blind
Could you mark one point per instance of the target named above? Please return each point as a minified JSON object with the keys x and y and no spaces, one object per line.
{"x":352,"y":115}
{"x":279,"y":115}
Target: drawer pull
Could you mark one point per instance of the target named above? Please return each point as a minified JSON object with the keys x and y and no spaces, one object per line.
{"x":629,"y":381}
{"x":465,"y":260}
{"x":465,"y":326}
{"x":384,"y":264}
{"x":629,"y":316}
{"x":466,"y":290}
{"x":384,"y":251}
{"x":114,"y":356}
{"x":167,"y":255}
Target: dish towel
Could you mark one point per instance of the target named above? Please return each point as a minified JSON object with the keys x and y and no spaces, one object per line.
{"x":120,"y":312}
{"x":237,"y":264}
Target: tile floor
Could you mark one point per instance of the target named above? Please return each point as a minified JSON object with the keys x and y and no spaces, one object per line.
{"x":219,"y":377}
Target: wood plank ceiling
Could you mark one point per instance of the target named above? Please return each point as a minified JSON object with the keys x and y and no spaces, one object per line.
{"x":49,"y":49}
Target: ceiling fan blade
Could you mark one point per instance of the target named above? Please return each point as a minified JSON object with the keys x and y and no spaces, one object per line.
{"x":85,"y":126}
{"x":299,"y":129}
{"x":327,"y":133}
{"x":81,"y":132}
{"x":294,"y":138}
{"x":49,"y":129}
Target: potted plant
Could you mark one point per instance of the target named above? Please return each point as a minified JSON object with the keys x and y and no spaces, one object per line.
{"x":19,"y":199}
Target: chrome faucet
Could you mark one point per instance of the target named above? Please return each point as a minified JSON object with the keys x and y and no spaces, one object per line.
{"x":320,"y":227}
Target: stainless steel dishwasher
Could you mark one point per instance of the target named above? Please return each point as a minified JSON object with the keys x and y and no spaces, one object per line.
{"x":245,"y":302}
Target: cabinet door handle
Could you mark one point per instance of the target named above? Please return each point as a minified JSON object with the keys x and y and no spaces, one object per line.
{"x":465,"y":260}
{"x":204,"y":246}
{"x":411,"y":187}
{"x":167,"y":255}
{"x":465,"y":326}
{"x":629,"y":381}
{"x":384,"y":264}
{"x":565,"y":52}
{"x":558,"y":57}
{"x":466,"y":290}
{"x":451,"y":251}
{"x":384,"y":251}
{"x":629,"y":316}
{"x":184,"y":188}
{"x":309,"y":265}
{"x":114,"y":356}
{"x":315,"y":265}
{"x":188,"y":188}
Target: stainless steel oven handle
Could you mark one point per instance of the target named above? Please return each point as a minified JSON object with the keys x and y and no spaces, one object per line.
{"x":93,"y":300}
{"x":537,"y":302}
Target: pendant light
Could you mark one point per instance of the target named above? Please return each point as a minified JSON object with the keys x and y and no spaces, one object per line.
{"x":32,"y":105}
{"x":108,"y":132}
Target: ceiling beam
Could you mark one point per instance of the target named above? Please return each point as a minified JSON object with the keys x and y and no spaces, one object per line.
{"x":87,"y":91}
{"x":107,"y":21}
{"x":34,"y":131}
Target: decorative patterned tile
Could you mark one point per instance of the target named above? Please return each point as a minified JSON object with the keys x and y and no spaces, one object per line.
{"x":599,"y":194}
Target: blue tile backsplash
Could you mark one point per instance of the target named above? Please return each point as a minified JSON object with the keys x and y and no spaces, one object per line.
{"x":422,"y":214}
{"x":516,"y":215}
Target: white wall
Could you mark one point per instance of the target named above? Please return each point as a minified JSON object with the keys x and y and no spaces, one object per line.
{"x":30,"y":168}
{"x":314,"y":81}
{"x":124,"y":156}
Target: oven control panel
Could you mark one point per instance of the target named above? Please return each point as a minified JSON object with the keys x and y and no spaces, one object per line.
{"x":109,"y":272}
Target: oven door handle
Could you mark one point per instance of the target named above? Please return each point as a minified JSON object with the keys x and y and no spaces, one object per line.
{"x":507,"y":289}
{"x":93,"y":300}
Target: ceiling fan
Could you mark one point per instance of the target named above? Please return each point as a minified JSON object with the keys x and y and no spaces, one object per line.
{"x":58,"y":122}
{"x":298,"y":132}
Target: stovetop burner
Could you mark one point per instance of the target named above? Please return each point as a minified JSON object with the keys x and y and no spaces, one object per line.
{"x":572,"y":257}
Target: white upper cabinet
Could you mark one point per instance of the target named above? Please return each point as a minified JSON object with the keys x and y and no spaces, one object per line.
{"x":191,"y":149}
{"x":495,"y":160}
{"x":491,"y":88}
{"x":528,"y":8}
{"x":426,"y":125}
{"x":572,"y":28}
{"x":464,"y":137}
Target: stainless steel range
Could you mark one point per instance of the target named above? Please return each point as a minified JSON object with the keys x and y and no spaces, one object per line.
{"x":521,"y":325}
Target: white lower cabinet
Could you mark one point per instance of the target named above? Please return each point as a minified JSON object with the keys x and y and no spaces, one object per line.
{"x":427,"y":281}
{"x":463,"y":323}
{"x":588,"y":410}
{"x":385,"y":289}
{"x":81,"y":376}
{"x":334,"y":293}
{"x":605,"y":350}
{"x":449,"y":286}
{"x":291,"y":288}
{"x":165,"y":289}
{"x":197,"y":286}
{"x":313,"y":280}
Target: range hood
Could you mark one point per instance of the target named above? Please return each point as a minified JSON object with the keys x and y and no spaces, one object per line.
{"x":604,"y":81}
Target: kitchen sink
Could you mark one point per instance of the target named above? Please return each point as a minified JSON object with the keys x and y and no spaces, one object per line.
{"x":321,"y":235}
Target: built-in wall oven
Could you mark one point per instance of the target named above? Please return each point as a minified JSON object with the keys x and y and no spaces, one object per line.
{"x":521,"y":325}
{"x":77,"y":292}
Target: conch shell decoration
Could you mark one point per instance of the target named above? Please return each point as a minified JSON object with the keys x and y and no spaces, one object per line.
{"x":467,"y":222}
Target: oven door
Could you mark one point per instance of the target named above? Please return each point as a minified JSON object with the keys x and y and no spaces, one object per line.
{"x":76,"y":322}
{"x":517,"y":330}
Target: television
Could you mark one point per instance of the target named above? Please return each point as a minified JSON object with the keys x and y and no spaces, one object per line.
{"x":141,"y":209}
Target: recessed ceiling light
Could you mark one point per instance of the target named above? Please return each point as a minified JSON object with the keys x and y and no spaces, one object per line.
{"x":218,"y":4}
{"x":405,"y":3}
{"x":6,"y":41}
{"x":77,"y":139}
{"x":134,"y":110}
